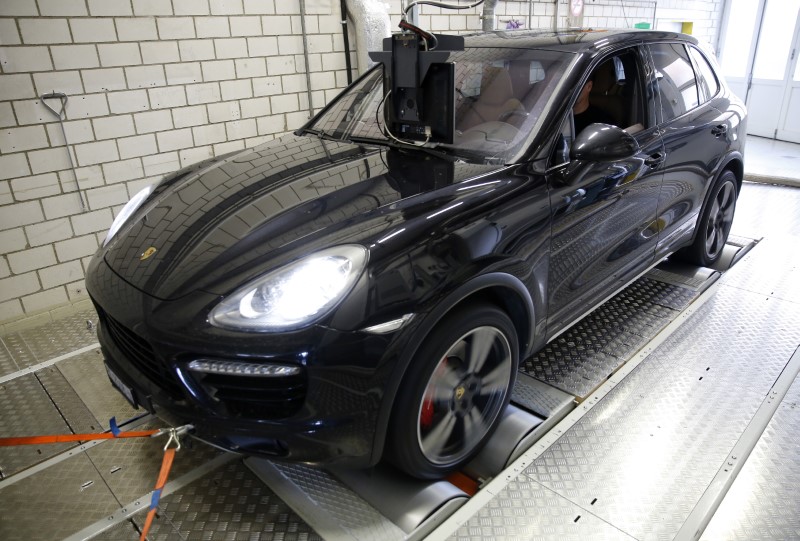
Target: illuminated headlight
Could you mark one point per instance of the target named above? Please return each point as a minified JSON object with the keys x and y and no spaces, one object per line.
{"x":295,"y":295}
{"x":235,"y":368}
{"x":127,"y":211}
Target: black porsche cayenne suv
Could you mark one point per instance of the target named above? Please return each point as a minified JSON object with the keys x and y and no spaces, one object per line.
{"x":339,"y":295}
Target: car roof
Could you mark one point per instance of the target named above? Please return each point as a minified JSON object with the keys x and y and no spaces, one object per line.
{"x":570,"y":40}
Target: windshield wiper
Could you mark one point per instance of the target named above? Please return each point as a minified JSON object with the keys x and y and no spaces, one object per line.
{"x":394,"y":144}
{"x":318,"y":133}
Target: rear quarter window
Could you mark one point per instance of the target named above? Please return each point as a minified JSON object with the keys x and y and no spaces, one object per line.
{"x":707,"y":82}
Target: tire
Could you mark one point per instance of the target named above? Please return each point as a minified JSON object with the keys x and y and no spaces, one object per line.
{"x":714,"y":224}
{"x":450,"y":403}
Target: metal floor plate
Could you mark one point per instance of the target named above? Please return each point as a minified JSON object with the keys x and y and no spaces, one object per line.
{"x":763,"y":503}
{"x":585,"y":356}
{"x":25,"y":410}
{"x":344,"y":514}
{"x":87,"y":375}
{"x":19,"y":350}
{"x":7,"y":363}
{"x":52,"y":506}
{"x":130,"y":466}
{"x":62,"y":336}
{"x":231,"y":504}
{"x":529,"y":510}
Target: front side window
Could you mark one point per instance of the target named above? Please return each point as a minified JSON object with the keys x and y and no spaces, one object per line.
{"x":614,"y":92}
{"x":675,"y":78}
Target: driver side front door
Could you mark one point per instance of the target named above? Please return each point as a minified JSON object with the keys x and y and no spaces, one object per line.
{"x":604,"y":229}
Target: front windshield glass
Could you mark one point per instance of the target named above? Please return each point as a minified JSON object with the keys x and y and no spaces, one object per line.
{"x":500,"y":96}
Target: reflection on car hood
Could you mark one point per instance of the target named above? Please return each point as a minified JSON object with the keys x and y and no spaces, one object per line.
{"x":232,"y":220}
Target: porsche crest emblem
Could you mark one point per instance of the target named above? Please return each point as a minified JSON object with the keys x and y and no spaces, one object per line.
{"x":460,"y":392}
{"x":147,"y":253}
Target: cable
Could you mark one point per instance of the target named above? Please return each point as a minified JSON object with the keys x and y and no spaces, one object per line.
{"x":386,"y":131}
{"x":439,"y":5}
{"x":426,"y":36}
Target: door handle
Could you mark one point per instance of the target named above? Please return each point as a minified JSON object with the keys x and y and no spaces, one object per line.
{"x":719,"y":131}
{"x":655,"y":159}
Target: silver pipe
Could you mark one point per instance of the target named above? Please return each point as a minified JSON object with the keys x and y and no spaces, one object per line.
{"x":555,"y":16}
{"x":488,"y":15}
{"x":305,"y":56}
{"x":371,"y":25}
{"x":530,"y":14}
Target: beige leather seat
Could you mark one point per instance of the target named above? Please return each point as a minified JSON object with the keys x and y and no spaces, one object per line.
{"x":496,"y":101}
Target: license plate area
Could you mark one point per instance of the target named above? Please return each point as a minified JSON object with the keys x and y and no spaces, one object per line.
{"x":125,"y":390}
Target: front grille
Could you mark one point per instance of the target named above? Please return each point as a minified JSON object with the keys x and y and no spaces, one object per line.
{"x":141,"y":355}
{"x":257,"y":397}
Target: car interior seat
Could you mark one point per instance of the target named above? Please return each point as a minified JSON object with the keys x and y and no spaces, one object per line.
{"x":495,"y":102}
{"x":607,"y":93}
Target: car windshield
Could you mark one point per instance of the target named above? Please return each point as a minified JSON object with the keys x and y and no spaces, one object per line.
{"x":501,"y":94}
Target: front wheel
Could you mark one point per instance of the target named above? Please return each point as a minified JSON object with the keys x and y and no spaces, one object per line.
{"x":456,"y":388}
{"x":714,"y":224}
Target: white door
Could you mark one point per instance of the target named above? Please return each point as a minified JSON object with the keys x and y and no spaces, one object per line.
{"x":760,"y":63}
{"x":789,"y":124}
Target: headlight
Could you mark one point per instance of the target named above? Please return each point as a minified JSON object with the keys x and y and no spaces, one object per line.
{"x":126,"y":212}
{"x":294,"y":295}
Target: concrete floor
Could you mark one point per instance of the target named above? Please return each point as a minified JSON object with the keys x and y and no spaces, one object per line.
{"x":771,"y":161}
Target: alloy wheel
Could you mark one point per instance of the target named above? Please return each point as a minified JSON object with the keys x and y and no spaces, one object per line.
{"x":720,"y":219}
{"x":464,"y":395}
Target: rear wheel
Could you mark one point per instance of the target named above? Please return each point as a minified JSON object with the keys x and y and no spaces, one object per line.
{"x":456,"y":388}
{"x":714,"y":224}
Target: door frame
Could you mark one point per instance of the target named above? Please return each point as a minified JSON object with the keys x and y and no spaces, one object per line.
{"x":747,"y":81}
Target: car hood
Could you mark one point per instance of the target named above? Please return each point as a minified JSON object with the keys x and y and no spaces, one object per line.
{"x":216,"y":225}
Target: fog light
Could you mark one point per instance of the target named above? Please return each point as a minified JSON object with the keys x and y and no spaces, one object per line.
{"x":234,"y":368}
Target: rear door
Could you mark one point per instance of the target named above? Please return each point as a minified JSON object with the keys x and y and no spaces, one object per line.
{"x":696,"y":137}
{"x":604,"y":213}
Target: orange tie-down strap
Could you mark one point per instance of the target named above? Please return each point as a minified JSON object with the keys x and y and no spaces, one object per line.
{"x":166,"y":464}
{"x":113,"y":433}
{"x":59,"y":438}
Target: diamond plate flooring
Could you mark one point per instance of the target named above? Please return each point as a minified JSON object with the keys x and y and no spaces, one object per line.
{"x":52,"y":506}
{"x":231,"y":504}
{"x":513,"y":515}
{"x":130,"y":466}
{"x":62,"y":336}
{"x":585,"y":356}
{"x":762,"y":503}
{"x":27,"y":410}
{"x":7,"y":363}
{"x":86,"y":374}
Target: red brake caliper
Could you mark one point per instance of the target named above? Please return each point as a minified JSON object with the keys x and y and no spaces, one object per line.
{"x":426,"y":415}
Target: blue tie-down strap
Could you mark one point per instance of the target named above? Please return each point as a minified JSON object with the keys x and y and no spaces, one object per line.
{"x":112,"y":423}
{"x":156,"y":497}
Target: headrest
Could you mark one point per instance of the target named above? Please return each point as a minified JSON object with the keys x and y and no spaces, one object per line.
{"x":604,"y":78}
{"x":496,"y":86}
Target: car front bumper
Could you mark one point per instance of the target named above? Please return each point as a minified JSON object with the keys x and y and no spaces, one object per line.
{"x":328,"y":413}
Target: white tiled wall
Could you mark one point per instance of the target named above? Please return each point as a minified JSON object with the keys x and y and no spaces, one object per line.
{"x":154,"y":85}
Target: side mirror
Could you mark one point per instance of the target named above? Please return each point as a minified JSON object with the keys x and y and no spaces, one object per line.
{"x":603,"y":142}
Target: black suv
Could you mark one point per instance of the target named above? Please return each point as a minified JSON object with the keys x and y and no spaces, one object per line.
{"x":341,"y":294}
